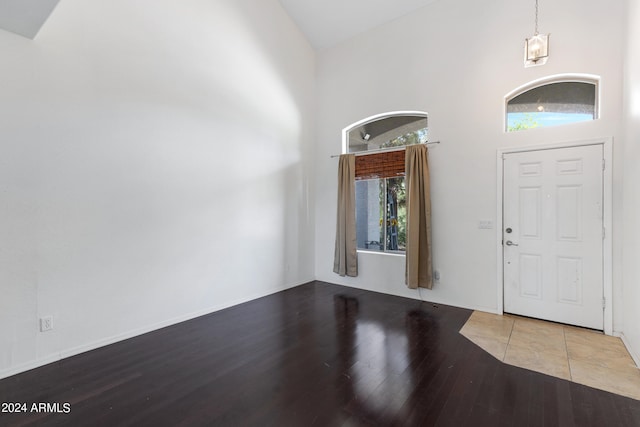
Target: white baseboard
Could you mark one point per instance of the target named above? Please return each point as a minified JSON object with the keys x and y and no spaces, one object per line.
{"x":24,"y":367}
{"x":134,"y":333}
{"x":630,"y":349}
{"x":416,"y":296}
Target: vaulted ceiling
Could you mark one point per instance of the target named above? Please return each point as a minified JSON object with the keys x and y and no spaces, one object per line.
{"x":324,"y":23}
{"x":328,"y":22}
{"x":25,"y":17}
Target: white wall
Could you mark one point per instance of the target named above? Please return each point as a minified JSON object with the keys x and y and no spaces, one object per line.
{"x":155,"y":164}
{"x":631,"y":181}
{"x":456,"y":60}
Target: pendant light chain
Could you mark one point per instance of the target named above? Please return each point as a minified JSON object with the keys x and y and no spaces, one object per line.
{"x":536,"y":29}
{"x":537,"y":46}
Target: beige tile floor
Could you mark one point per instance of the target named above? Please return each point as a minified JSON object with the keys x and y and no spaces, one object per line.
{"x":575,"y":354}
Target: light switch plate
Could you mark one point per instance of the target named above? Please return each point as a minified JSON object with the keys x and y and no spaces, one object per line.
{"x":485,"y":224}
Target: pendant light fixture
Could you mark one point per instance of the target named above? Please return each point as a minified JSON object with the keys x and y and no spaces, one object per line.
{"x":536,"y":47}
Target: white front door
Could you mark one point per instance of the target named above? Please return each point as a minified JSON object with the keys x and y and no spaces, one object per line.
{"x":553,"y":234}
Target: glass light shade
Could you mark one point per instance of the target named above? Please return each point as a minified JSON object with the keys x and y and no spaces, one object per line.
{"x":536,"y":50}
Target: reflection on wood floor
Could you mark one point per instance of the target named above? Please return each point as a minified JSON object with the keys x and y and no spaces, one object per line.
{"x":314,"y":355}
{"x":576,"y":354}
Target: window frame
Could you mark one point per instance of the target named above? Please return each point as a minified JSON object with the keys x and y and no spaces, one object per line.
{"x":558,"y":78}
{"x":383,"y":226}
{"x":345,"y":150}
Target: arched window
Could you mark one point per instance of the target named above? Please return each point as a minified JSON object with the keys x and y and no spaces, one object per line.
{"x":380,"y":184}
{"x":385,"y":131}
{"x":552,"y":101}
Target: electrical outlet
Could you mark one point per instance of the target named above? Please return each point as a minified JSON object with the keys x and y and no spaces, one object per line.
{"x":46,"y":323}
{"x":436,"y":275}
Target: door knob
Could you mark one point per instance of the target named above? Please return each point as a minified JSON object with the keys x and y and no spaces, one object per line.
{"x":510,"y":243}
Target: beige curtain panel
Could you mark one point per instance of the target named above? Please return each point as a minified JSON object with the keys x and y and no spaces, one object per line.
{"x":418,"y":252}
{"x":345,"y":261}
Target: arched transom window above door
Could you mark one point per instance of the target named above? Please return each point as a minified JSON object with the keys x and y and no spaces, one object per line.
{"x":551,"y":102}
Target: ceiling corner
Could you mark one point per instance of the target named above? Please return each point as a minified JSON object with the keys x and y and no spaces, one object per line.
{"x":25,"y":17}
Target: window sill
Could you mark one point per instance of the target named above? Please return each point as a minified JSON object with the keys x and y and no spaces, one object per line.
{"x":395,"y":254}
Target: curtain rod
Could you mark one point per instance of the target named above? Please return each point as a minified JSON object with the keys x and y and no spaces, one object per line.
{"x":380,"y":150}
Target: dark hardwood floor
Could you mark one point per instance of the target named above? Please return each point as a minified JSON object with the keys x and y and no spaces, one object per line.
{"x":315,"y":355}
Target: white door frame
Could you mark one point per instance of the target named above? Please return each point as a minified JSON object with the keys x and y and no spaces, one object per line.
{"x":607,"y":246}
